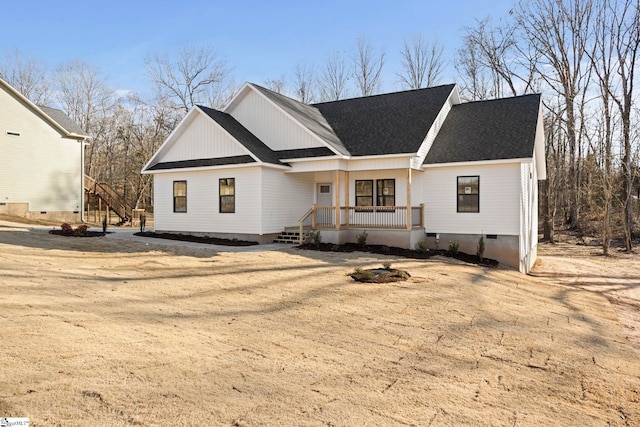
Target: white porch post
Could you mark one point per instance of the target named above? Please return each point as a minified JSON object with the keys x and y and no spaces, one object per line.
{"x":409,"y":199}
{"x":346,"y":198}
{"x":337,"y":201}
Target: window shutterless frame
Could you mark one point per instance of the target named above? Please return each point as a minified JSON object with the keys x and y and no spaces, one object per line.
{"x":364,"y":192}
{"x":180,"y":196}
{"x":227,"y":187}
{"x":468,"y":194}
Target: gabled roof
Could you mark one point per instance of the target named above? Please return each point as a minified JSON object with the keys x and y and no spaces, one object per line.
{"x":53,"y":116}
{"x":487,"y":130}
{"x":63,"y":120}
{"x":242,"y":135}
{"x":308,"y":116}
{"x":393,"y":123}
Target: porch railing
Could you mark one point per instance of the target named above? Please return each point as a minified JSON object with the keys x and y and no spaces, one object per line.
{"x":374,"y":217}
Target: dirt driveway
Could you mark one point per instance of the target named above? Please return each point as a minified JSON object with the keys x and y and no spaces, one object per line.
{"x":109,"y":332}
{"x":617,"y":277}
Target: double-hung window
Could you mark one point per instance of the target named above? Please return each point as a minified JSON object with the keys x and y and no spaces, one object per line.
{"x":468,"y":194}
{"x":383,"y":193}
{"x":364,"y":192}
{"x":227,"y":195}
{"x":386,"y":192}
{"x":179,"y":196}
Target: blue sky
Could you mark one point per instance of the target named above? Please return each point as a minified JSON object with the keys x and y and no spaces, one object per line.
{"x":259,"y":39}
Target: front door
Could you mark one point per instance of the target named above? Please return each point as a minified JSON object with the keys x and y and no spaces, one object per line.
{"x":324,"y":195}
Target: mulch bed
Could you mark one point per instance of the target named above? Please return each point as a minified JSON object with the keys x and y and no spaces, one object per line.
{"x":380,"y":275}
{"x":400,"y":252}
{"x":85,"y":234}
{"x":196,"y":239}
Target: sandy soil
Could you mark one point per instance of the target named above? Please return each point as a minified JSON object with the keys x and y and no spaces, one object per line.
{"x":109,"y":332}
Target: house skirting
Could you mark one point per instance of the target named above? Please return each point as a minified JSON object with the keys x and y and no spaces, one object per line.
{"x":260,"y":238}
{"x":503,"y":248}
{"x":22,"y":210}
{"x":399,"y":238}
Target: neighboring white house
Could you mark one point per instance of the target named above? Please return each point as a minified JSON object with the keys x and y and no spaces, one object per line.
{"x":41,"y":160}
{"x":406,"y":167}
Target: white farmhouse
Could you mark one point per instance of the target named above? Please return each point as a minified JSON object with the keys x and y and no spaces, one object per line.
{"x":409,"y":166}
{"x":41,"y":160}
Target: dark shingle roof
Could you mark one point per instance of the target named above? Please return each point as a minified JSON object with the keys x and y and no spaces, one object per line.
{"x":487,"y":130}
{"x":242,"y":135}
{"x":63,"y":120}
{"x":308,"y":116}
{"x":196,"y":163}
{"x":391,"y":123}
{"x":304,"y":152}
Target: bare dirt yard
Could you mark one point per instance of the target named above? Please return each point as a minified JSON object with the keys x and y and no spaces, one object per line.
{"x":99,"y":331}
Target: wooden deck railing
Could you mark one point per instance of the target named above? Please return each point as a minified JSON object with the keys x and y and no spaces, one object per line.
{"x":373,"y":217}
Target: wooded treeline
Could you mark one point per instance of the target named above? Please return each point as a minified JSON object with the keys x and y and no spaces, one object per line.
{"x":581,"y":55}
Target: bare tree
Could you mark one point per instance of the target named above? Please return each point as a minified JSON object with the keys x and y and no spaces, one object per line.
{"x":625,"y":29}
{"x":333,"y":79}
{"x":277,"y":85}
{"x":84,"y":96}
{"x":559,"y":32}
{"x":305,"y":81}
{"x":27,"y":76}
{"x":475,"y":82}
{"x":188,"y":76}
{"x":367,"y":67}
{"x":422,"y":62}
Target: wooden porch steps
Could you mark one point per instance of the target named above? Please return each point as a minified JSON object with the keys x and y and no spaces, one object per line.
{"x":291,"y":236}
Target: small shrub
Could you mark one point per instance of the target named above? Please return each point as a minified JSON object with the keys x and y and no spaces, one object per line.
{"x":361,"y":239}
{"x":316,"y":238}
{"x":480,"y":251}
{"x":358,"y":270}
{"x":454,"y":247}
{"x":81,"y":231}
{"x":386,"y":265}
{"x":66,"y":228}
{"x":143,"y":222}
{"x":104,"y":224}
{"x":335,"y":248}
{"x":421,"y":247}
{"x":403,"y":274}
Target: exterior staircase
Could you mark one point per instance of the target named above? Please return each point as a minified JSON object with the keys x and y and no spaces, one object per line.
{"x":291,"y":235}
{"x":112,"y":199}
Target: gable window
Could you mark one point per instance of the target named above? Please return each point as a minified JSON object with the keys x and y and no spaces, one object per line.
{"x":227,"y":195}
{"x":468,"y":194}
{"x":386,"y":192}
{"x":179,"y":196}
{"x":364,"y":192}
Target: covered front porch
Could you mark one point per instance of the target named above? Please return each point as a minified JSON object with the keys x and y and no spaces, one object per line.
{"x":378,"y":201}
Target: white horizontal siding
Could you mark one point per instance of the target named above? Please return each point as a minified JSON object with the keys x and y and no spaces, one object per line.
{"x":285,"y":198}
{"x":500,"y":198}
{"x":39,"y":167}
{"x":528,"y":216}
{"x":202,"y":138}
{"x":203,"y":202}
{"x":270,"y":124}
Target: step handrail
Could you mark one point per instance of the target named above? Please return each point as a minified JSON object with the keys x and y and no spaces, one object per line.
{"x":301,"y":220}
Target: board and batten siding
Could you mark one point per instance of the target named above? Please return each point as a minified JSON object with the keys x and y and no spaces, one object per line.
{"x":500,"y":187}
{"x":39,"y":167}
{"x":285,"y":199}
{"x":270,"y":124}
{"x":203,"y":138}
{"x":203,"y":213}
